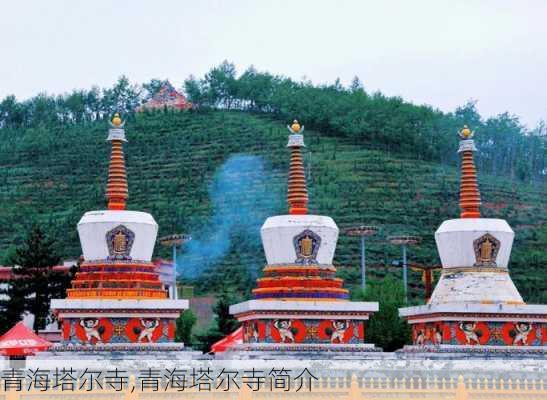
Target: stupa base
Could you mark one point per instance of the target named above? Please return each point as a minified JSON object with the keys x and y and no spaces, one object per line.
{"x":306,"y":347}
{"x":455,"y":352}
{"x":113,"y":324}
{"x":119,"y":351}
{"x":303,"y":326}
{"x":462,"y":327}
{"x":130,"y":358}
{"x":120,"y":347}
{"x":282,"y":351}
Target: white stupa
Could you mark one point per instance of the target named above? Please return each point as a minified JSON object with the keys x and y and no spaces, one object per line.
{"x":475,"y":303}
{"x":299,"y":304}
{"x":117,"y":302}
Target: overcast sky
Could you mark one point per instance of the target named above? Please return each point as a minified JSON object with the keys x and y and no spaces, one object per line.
{"x":439,"y":52}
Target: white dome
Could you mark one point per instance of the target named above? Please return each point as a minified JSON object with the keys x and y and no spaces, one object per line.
{"x":279,"y":232}
{"x":465,"y":278}
{"x":95,"y":225}
{"x":455,"y":239}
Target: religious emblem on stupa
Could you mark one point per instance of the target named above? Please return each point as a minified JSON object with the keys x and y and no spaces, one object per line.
{"x":486,"y":250}
{"x":119,"y":241}
{"x":306,"y":245}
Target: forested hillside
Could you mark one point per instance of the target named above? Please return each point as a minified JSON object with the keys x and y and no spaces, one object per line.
{"x":218,"y":170}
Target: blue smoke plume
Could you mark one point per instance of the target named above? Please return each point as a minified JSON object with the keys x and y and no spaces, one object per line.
{"x":243,"y":195}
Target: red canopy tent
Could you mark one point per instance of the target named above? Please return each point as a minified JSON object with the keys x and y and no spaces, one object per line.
{"x":236,"y":337}
{"x":21,"y":341}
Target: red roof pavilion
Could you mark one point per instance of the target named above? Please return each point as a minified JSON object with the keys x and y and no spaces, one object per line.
{"x":21,"y":341}
{"x":236,"y":337}
{"x":166,"y":97}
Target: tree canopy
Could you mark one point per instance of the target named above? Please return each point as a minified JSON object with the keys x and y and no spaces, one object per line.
{"x":385,"y":328}
{"x":506,"y":147}
{"x":35,"y":283}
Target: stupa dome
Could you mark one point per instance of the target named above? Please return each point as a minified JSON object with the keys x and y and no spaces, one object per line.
{"x":140,"y":229}
{"x":279,"y":233}
{"x":458,"y":241}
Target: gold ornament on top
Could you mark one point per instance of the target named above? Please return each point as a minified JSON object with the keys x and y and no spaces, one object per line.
{"x":466,"y":133}
{"x":116,"y":121}
{"x":296,"y":128}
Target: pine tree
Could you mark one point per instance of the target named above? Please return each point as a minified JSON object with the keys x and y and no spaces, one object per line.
{"x":223,"y":325}
{"x":185,"y":324}
{"x":35,"y":282}
{"x":12,"y":306}
{"x":385,"y":328}
{"x":226,"y":322}
{"x":356,"y":85}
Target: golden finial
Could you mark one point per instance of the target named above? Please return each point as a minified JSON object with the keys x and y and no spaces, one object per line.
{"x":466,"y":133}
{"x":295,"y":127}
{"x":116,"y":120}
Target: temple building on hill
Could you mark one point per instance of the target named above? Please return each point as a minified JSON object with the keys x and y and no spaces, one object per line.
{"x":475,"y":306}
{"x":117,"y":301}
{"x":299,"y":305}
{"x":167,"y":97}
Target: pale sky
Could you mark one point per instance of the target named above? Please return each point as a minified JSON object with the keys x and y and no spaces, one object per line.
{"x":438,"y":52}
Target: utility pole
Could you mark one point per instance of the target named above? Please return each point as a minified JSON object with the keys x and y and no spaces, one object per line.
{"x":404,"y":241}
{"x":175,"y":241}
{"x":362,"y":231}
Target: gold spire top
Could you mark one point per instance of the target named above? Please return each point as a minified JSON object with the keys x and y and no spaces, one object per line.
{"x":116,"y":120}
{"x":295,"y":127}
{"x":297,"y":192}
{"x":466,"y":133}
{"x":116,"y":188}
{"x":470,"y":198}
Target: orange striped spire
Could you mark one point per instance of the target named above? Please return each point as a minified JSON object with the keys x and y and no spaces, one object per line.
{"x":116,"y":188}
{"x":470,"y":198}
{"x":297,"y":193}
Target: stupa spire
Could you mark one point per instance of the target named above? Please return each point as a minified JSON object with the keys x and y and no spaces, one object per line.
{"x":470,"y":198}
{"x":116,"y":188}
{"x":297,"y":193}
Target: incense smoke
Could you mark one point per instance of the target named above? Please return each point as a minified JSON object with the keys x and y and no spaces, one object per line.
{"x":243,"y":195}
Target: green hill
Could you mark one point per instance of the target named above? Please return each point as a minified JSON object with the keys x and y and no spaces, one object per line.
{"x":54,"y":175}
